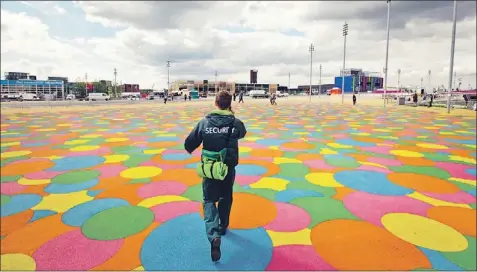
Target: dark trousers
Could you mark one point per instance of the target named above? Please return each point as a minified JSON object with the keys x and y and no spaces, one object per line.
{"x":240,"y":99}
{"x":354,"y":101}
{"x":216,"y":218}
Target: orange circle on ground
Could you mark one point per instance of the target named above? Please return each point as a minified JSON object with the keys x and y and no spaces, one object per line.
{"x":298,"y":146}
{"x":263,"y":152}
{"x":357,"y":245}
{"x":309,"y":156}
{"x":423,"y":183}
{"x":15,"y":221}
{"x":463,"y":220}
{"x":250,"y":211}
{"x":47,"y":151}
{"x":415,"y":161}
{"x":25,"y":167}
{"x":368,"y":140}
{"x":162,"y":144}
{"x":187,"y":176}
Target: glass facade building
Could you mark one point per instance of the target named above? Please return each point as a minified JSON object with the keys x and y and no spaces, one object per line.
{"x":45,"y":88}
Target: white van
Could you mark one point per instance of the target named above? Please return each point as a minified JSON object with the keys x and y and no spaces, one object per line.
{"x":28,"y":97}
{"x":97,"y":96}
{"x":258,"y":94}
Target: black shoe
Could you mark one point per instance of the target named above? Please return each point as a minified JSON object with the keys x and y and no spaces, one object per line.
{"x":222,"y":232}
{"x":215,"y":250}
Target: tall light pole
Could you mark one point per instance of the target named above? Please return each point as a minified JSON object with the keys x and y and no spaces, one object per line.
{"x":345,"y":33}
{"x":86,"y":83}
{"x":115,"y":83}
{"x":319,"y":86}
{"x":215,"y":84}
{"x":387,"y":53}
{"x":312,"y":48}
{"x":455,"y":76}
{"x":429,"y":79}
{"x":422,"y":80}
{"x":399,"y":79}
{"x":451,"y":65}
{"x":288,"y":82}
{"x":168,"y":65}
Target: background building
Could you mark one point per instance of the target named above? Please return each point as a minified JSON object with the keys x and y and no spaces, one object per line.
{"x":253,"y":76}
{"x":314,"y":88}
{"x":359,"y":80}
{"x":48,"y":89}
{"x":16,"y":75}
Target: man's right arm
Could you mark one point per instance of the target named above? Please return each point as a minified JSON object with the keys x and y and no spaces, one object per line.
{"x":241,"y":129}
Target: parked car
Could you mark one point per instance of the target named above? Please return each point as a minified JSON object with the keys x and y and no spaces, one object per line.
{"x":70,"y":97}
{"x":97,"y":96}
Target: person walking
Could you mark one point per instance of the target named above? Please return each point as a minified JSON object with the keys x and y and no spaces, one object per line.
{"x":218,"y":133}
{"x":354,"y":99}
{"x":241,"y":97}
{"x":431,"y":100}
{"x":235,"y":95}
{"x":414,"y":99}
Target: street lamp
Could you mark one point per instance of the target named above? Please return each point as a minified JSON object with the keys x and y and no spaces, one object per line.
{"x":215,"y":83}
{"x":345,"y":33}
{"x":387,"y":54}
{"x":168,"y":65}
{"x":422,"y":79}
{"x":451,"y":68}
{"x":312,"y":48}
{"x":115,"y":83}
{"x":429,"y":79}
{"x":399,"y":79}
{"x":319,"y":86}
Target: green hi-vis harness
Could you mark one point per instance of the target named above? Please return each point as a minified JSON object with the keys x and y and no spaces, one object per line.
{"x":212,"y":165}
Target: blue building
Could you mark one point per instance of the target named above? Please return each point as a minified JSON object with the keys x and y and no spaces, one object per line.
{"x":359,"y":81}
{"x":52,"y":88}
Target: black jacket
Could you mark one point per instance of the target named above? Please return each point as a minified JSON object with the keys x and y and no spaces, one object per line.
{"x":212,"y":132}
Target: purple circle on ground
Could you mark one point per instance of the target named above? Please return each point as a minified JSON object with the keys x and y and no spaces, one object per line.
{"x":290,"y":218}
{"x":297,"y":257}
{"x":167,"y":211}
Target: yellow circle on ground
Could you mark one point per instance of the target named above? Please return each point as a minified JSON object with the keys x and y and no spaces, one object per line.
{"x":115,"y":158}
{"x":115,"y":140}
{"x":75,"y":142}
{"x":84,"y":148}
{"x":141,"y":172}
{"x":90,"y":136}
{"x":432,"y":146}
{"x":244,"y":149}
{"x":13,"y":154}
{"x":406,"y":153}
{"x":9,"y":144}
{"x":337,"y":145}
{"x":16,"y":262}
{"x":323,"y":179}
{"x":424,"y":232}
{"x":276,"y":184}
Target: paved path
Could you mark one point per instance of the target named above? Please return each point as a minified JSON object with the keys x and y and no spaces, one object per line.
{"x":319,"y":187}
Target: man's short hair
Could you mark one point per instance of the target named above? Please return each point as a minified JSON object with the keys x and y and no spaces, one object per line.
{"x":223,"y":99}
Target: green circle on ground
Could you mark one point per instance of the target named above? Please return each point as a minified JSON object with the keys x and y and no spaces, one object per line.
{"x":4,"y":199}
{"x":117,"y":223}
{"x":75,"y":177}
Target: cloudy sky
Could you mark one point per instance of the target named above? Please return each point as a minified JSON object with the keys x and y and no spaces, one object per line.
{"x":73,"y":38}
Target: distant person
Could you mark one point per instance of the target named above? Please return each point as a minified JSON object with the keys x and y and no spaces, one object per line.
{"x":218,"y":133}
{"x":354,"y":99}
{"x":235,"y":95}
{"x":414,"y":98}
{"x":241,"y":97}
{"x":185,"y":97}
{"x":431,"y":100}
{"x":273,"y":99}
{"x":190,"y":97}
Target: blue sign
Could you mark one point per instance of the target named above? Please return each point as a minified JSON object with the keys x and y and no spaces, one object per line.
{"x":39,"y":83}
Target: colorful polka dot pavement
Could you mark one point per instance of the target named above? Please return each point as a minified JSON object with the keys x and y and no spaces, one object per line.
{"x":317,"y":188}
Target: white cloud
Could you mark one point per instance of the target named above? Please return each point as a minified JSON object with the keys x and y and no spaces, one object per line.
{"x":194,"y":36}
{"x":60,"y":10}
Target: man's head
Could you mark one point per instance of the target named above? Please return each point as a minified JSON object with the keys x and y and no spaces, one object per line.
{"x":223,"y":100}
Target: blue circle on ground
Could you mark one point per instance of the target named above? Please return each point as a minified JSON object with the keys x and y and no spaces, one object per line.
{"x":292,"y":126}
{"x":181,"y":244}
{"x":76,"y":162}
{"x":163,"y":139}
{"x":271,"y":142}
{"x":19,"y":203}
{"x":471,"y":171}
{"x":290,"y":194}
{"x":41,"y":214}
{"x":250,"y":170}
{"x":77,"y":215}
{"x":370,"y":182}
{"x":191,"y":165}
{"x":54,"y":188}
{"x":176,"y":156}
{"x":35,"y":144}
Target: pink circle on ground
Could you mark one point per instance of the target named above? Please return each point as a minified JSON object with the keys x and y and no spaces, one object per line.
{"x":459,"y":197}
{"x":318,"y":164}
{"x":374,"y":168}
{"x":297,"y":257}
{"x":377,"y":149}
{"x":73,"y":251}
{"x":109,"y":171}
{"x":138,"y":138}
{"x":246,"y":180}
{"x":253,"y":145}
{"x":456,"y":170}
{"x":172,"y":151}
{"x":289,"y":218}
{"x":339,"y":136}
{"x":11,"y":188}
{"x":43,"y":175}
{"x":103,"y":150}
{"x":371,"y":207}
{"x":167,"y":211}
{"x":161,"y":188}
{"x":267,"y":159}
{"x":385,"y":162}
{"x":141,"y":145}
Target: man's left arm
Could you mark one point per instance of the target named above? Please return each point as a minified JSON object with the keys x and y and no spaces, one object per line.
{"x":193,"y":141}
